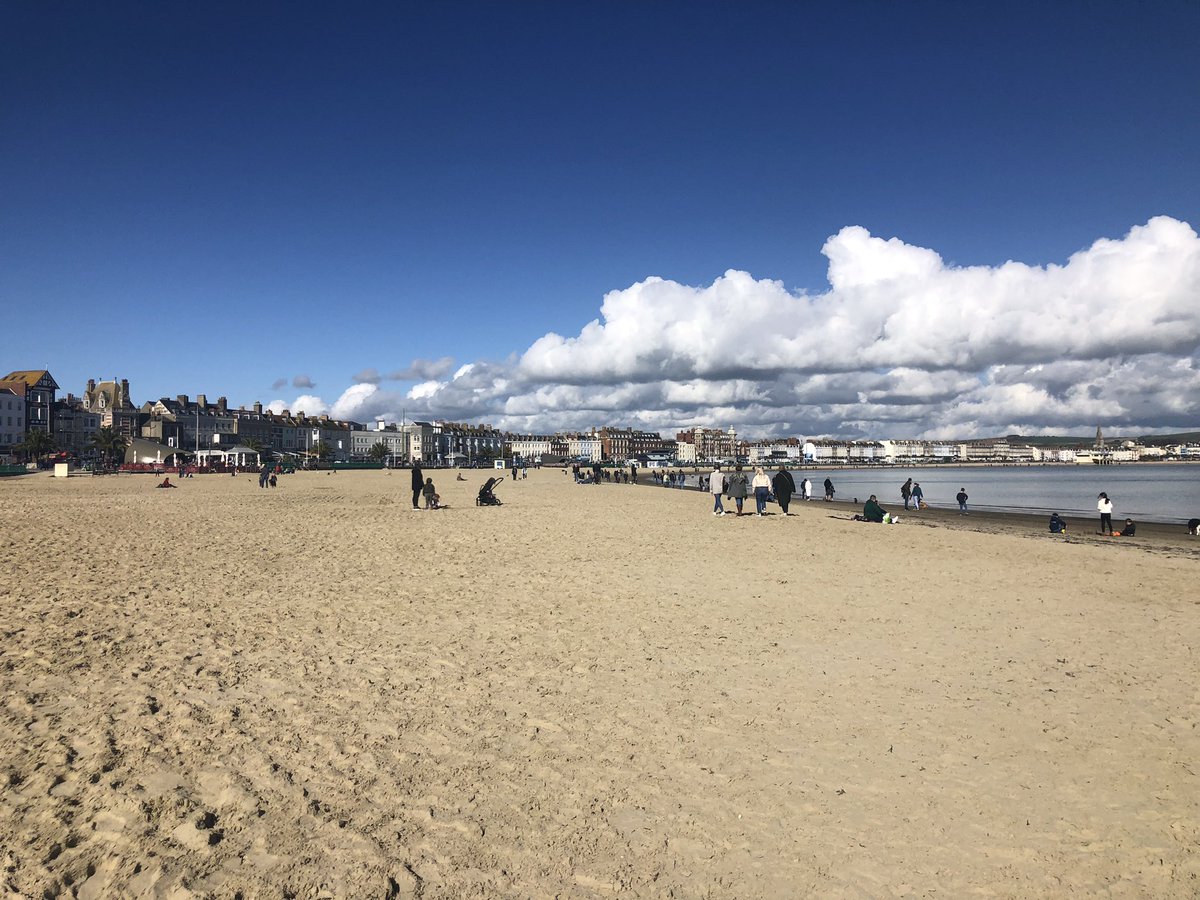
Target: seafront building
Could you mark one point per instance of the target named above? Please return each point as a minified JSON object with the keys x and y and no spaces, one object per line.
{"x":167,"y":429}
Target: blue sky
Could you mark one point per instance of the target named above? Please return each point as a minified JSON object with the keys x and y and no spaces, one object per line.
{"x":219,"y":198}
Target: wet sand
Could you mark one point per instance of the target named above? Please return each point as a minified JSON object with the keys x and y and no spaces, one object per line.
{"x":590,"y":691}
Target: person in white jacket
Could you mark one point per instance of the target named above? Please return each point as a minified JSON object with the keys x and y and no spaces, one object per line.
{"x":716,"y":486}
{"x":762,"y":489}
{"x":1106,"y":510}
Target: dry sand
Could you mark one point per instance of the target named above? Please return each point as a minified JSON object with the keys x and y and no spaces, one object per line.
{"x":587,"y":692}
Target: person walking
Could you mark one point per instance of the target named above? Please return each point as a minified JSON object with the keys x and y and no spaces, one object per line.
{"x":784,"y":486}
{"x":961,"y":497}
{"x":762,"y":489}
{"x":918,"y":496}
{"x":736,"y":487}
{"x":828,"y":490}
{"x":418,"y":484}
{"x":716,"y":486}
{"x":906,"y":492}
{"x":1106,"y":510}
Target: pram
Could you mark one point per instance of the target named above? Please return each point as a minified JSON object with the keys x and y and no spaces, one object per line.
{"x":486,"y":496}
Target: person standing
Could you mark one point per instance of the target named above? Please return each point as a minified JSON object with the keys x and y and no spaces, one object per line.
{"x":918,"y":496}
{"x":418,"y":483}
{"x":762,"y":490}
{"x":735,"y":487}
{"x":906,"y":492}
{"x":1106,"y":510}
{"x":805,"y":489}
{"x":716,"y":486}
{"x":828,"y":490}
{"x":784,"y":486}
{"x":961,"y":497}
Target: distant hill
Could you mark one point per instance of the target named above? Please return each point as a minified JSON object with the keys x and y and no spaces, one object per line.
{"x":1184,"y":437}
{"x":1059,"y":440}
{"x":1055,"y":440}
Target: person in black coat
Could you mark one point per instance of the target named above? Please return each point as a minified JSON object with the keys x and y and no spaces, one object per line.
{"x":418,"y":482}
{"x":784,"y":486}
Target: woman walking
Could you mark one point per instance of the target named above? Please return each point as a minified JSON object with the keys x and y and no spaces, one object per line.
{"x":762,"y":490}
{"x":735,"y":488}
{"x":784,"y":486}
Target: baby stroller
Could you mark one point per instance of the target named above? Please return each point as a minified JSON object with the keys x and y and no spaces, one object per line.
{"x":486,"y":496}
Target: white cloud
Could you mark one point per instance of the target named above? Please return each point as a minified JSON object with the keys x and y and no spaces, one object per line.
{"x":901,"y":344}
{"x":306,"y":403}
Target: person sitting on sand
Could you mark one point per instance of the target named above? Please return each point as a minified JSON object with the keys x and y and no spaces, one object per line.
{"x":872,"y":511}
{"x":1057,"y":524}
{"x":1129,"y":530}
{"x":165,"y":483}
{"x":459,"y":477}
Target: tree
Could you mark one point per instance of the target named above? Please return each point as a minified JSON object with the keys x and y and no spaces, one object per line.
{"x":322,"y":450}
{"x":379,"y":451}
{"x":37,"y":444}
{"x":111,"y":444}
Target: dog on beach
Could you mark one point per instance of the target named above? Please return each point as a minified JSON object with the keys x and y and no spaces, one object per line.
{"x":1194,"y":526}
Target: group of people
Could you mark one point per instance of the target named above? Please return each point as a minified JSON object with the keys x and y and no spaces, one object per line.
{"x":910,"y":492}
{"x":423,"y":488}
{"x":738,"y":486}
{"x":1105,"y":506}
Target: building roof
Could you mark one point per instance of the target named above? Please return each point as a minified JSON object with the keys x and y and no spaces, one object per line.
{"x":30,"y":377}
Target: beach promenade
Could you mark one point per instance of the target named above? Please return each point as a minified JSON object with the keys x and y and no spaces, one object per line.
{"x":590,"y":691}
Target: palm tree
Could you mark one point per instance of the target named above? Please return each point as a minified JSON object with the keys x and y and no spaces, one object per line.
{"x":110,"y":442}
{"x":378,"y":452}
{"x":37,"y":444}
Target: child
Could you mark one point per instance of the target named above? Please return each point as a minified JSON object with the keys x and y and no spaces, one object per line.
{"x":431,"y":495}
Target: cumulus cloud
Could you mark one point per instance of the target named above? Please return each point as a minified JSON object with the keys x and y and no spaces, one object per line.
{"x":305,"y":403}
{"x":303,"y":381}
{"x":901,"y":344}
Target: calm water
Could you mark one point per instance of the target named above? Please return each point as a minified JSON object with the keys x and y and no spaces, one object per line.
{"x":1151,"y":492}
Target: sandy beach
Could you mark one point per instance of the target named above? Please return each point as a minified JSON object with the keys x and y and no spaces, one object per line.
{"x":590,"y":691}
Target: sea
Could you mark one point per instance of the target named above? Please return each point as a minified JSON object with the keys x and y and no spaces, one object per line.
{"x":1149,"y":492}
